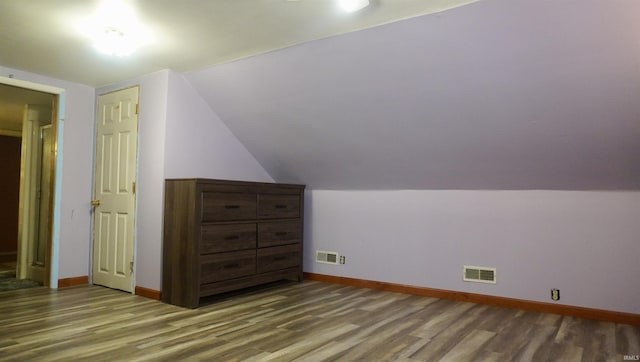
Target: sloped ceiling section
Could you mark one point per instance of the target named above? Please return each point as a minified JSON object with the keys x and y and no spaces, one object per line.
{"x":186,"y":34}
{"x":499,"y":94}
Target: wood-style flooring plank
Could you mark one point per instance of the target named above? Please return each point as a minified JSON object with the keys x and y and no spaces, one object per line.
{"x":309,"y":321}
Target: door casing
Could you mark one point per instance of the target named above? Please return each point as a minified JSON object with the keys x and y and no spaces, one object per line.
{"x":34,"y":226}
{"x":50,"y":277}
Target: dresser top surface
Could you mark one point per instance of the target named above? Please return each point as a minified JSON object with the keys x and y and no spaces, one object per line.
{"x":234,"y":182}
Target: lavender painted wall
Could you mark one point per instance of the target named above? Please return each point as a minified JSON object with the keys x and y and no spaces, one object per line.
{"x":583,"y":242}
{"x":198,"y":144}
{"x":179,"y":136}
{"x":77,"y":171}
{"x":498,"y":94}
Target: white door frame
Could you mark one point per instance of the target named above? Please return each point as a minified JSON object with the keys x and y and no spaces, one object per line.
{"x":58,"y":122}
{"x":30,"y":207}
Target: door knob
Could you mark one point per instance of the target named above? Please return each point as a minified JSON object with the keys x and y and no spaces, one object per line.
{"x":95,"y":202}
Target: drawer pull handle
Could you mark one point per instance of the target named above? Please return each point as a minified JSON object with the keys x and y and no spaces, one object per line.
{"x":232,"y":237}
{"x":231,"y":206}
{"x":231,"y":266}
{"x":281,"y":233}
{"x":281,"y":206}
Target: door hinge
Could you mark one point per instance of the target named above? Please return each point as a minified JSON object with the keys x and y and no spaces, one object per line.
{"x":133,"y":187}
{"x":131,"y":267}
{"x":137,"y":108}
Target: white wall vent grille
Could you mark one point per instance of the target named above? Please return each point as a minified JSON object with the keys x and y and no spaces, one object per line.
{"x":479,"y":274}
{"x":327,"y":257}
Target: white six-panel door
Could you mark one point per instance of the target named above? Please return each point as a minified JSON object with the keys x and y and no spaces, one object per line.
{"x":114,"y":189}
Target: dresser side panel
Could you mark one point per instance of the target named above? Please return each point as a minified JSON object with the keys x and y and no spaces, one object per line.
{"x":180,"y":244}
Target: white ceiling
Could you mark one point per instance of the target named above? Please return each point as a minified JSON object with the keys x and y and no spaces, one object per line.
{"x":40,"y":36}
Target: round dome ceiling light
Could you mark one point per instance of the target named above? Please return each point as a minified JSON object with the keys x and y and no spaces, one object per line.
{"x":351,"y":6}
{"x":115,"y":29}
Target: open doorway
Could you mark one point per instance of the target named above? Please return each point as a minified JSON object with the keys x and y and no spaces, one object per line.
{"x":27,"y":168}
{"x":10,"y":148}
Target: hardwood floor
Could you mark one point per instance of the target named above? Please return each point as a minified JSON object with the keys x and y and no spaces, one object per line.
{"x":8,"y":269}
{"x":309,"y":321}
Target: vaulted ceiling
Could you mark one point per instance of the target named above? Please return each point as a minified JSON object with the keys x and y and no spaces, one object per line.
{"x":497,"y":94}
{"x":50,"y":37}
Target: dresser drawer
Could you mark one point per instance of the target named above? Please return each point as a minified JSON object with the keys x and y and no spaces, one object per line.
{"x":220,"y":238}
{"x":279,"y":233}
{"x":217,"y":206}
{"x":273,"y":206}
{"x":278,"y":257}
{"x":223,"y":266}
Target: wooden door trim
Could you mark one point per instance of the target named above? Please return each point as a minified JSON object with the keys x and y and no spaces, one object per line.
{"x":52,"y":184}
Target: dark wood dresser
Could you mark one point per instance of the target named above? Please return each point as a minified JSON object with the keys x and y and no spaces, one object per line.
{"x":221,"y":236}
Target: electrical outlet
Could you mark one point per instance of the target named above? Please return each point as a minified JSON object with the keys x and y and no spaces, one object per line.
{"x":342,"y":259}
{"x":555,"y":294}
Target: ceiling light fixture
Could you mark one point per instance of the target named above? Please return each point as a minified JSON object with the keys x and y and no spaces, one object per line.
{"x":115,"y":29}
{"x":113,"y":41}
{"x":351,"y":6}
